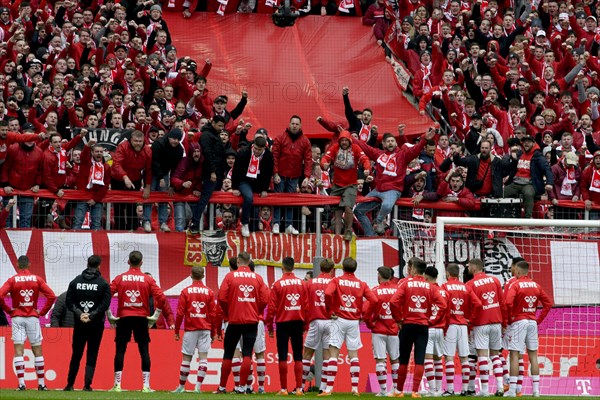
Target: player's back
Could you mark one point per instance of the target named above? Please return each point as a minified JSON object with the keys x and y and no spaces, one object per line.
{"x":24,"y":289}
{"x":316,"y":297}
{"x":287,"y":300}
{"x":489,"y":291}
{"x":523,"y":298}
{"x":243,"y":296}
{"x":412,"y":302}
{"x":381,"y":317}
{"x":134,"y":289}
{"x":196,"y":307}
{"x":345,"y":294}
{"x":438,"y":316}
{"x":463,"y":304}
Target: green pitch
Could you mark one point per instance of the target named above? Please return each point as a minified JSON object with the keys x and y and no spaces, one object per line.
{"x":56,"y":394}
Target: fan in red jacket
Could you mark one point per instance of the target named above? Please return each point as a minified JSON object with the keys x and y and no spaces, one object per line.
{"x":24,"y":289}
{"x":197,"y":310}
{"x":412,"y":307}
{"x":319,"y":321}
{"x":8,"y":138}
{"x":243,"y":297}
{"x":345,"y":158}
{"x":133,"y":289}
{"x":455,"y":192}
{"x":95,"y":178}
{"x":522,"y":301}
{"x":463,"y":305}
{"x":384,"y":328}
{"x":287,"y":306}
{"x":590,"y":185}
{"x":187,"y":180}
{"x":344,"y":301}
{"x":487,"y":325}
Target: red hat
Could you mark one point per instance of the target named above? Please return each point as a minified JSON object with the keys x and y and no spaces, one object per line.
{"x":597,"y":153}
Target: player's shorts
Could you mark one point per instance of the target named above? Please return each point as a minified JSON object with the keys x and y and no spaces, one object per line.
{"x":488,"y":337}
{"x":318,"y":334}
{"x":260,"y":346}
{"x":385,"y":344}
{"x":457,"y":338}
{"x":193,"y":340}
{"x":522,"y":335}
{"x":345,"y":330}
{"x":472,"y":351}
{"x":26,"y":328}
{"x":435,"y":342}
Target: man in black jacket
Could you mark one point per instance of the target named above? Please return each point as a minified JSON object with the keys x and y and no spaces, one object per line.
{"x":62,"y":317}
{"x":213,"y":167}
{"x":367,"y":132}
{"x":252,"y":173}
{"x":166,"y":154}
{"x":484,"y":171}
{"x":88,"y":297}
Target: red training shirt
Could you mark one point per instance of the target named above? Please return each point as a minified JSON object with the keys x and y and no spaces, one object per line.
{"x":413,"y":301}
{"x":379,"y":316}
{"x":344,"y":296}
{"x":196,"y":308}
{"x":243,"y":296}
{"x":288,"y":300}
{"x":24,"y":289}
{"x":463,"y":304}
{"x":523,"y":298}
{"x":489,"y":291}
{"x":315,"y":290}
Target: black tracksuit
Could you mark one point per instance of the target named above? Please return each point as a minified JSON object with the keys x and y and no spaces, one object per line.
{"x":87,"y":293}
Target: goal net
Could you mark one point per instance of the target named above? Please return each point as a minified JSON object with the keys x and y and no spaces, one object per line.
{"x":564,"y":257}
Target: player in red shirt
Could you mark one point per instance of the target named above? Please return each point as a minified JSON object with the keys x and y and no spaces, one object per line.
{"x":434,"y":368}
{"x":344,"y":301}
{"x":24,"y":289}
{"x":487,"y":325}
{"x":411,"y":308}
{"x":505,"y":288}
{"x":384,"y":329}
{"x":133,"y":289}
{"x":522,"y":301}
{"x":287,"y":306}
{"x":196,"y":309}
{"x":463,"y":305}
{"x":319,"y":322}
{"x":243,"y":297}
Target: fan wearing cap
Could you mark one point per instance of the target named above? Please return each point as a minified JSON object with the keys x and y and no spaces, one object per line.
{"x":167,"y":152}
{"x":590,"y":186}
{"x":583,"y":26}
{"x":567,"y":176}
{"x":154,"y":22}
{"x":528,"y":167}
{"x":220,"y":108}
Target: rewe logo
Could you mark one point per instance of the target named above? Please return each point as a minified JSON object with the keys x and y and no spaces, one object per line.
{"x":198,"y":305}
{"x":321,"y":295}
{"x":457,"y":303}
{"x":133,"y":295}
{"x":86,"y":305}
{"x":293,"y":298}
{"x":386,"y":306}
{"x":348,"y":300}
{"x":531,"y":300}
{"x":246,"y":289}
{"x":489,"y":296}
{"x":26,"y":294}
{"x":418,"y":300}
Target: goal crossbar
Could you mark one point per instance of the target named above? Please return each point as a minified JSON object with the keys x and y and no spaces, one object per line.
{"x":441,"y":222}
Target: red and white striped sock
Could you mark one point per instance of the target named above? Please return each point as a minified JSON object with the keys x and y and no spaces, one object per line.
{"x":261,"y":369}
{"x":429,"y":374}
{"x":520,"y":376}
{"x":472,"y":373}
{"x":39,"y":369}
{"x":450,"y":376}
{"x":395,"y":366}
{"x":465,"y":367}
{"x":305,"y":371}
{"x":505,"y":373}
{"x":324,"y":375}
{"x":333,"y":369}
{"x":354,"y":373}
{"x":202,"y":368}
{"x":381,"y":372}
{"x":484,"y":371}
{"x":184,"y":371}
{"x":497,"y":365}
{"x":236,"y":366}
{"x":19,"y":363}
{"x":439,"y":374}
{"x":250,"y":378}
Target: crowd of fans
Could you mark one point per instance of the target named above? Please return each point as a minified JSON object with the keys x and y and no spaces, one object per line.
{"x":523,"y":112}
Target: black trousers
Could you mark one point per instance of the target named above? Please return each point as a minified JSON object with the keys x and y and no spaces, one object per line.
{"x":139,"y":327}
{"x":125,"y":213}
{"x":290,"y":331}
{"x":413,"y":335}
{"x":233,"y":333}
{"x":89,"y":334}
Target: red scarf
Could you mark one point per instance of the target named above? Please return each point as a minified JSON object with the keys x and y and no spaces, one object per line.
{"x":345,"y":6}
{"x":96,"y":174}
{"x":595,"y":184}
{"x":388,"y":162}
{"x":266,"y":223}
{"x":566,"y":188}
{"x":325,"y":181}
{"x":426,"y":69}
{"x":254,"y":166}
{"x":62,"y":160}
{"x":222,"y":7}
{"x":364,"y":133}
{"x":418,"y":213}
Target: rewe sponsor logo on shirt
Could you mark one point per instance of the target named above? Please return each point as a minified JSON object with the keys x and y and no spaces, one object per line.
{"x":27,"y":278}
{"x":87,"y":286}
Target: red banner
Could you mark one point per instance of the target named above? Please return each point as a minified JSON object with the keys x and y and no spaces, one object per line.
{"x":558,"y":359}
